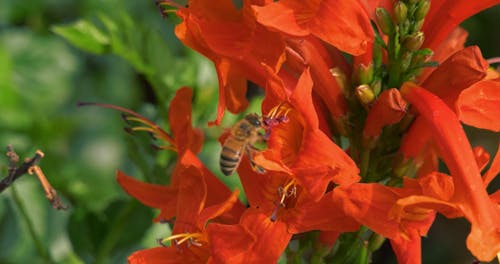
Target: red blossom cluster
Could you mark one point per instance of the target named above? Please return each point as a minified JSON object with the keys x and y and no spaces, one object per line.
{"x":398,"y":116}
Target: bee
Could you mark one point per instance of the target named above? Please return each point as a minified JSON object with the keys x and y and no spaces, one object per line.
{"x":244,"y":135}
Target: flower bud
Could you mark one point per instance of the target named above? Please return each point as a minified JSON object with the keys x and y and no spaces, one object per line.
{"x":421,"y":56}
{"x":422,"y":9}
{"x":341,"y":79}
{"x":406,"y":60}
{"x":417,"y":25}
{"x":384,"y":20}
{"x":365,"y":94}
{"x":363,"y":74}
{"x":400,"y":11}
{"x":414,"y":41}
{"x":376,"y":86}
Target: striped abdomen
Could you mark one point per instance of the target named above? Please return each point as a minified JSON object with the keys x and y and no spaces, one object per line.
{"x":231,"y":154}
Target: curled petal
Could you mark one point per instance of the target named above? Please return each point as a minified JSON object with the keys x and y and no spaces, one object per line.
{"x":389,"y":109}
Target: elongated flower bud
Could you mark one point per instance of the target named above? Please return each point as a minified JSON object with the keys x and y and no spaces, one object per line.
{"x":341,"y":79}
{"x":400,"y":11}
{"x":384,"y":20}
{"x":364,"y":73}
{"x":422,"y":9}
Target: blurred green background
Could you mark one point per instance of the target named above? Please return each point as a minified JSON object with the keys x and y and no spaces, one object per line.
{"x":123,"y":53}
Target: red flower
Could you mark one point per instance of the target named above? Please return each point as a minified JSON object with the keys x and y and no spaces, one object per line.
{"x":237,"y":45}
{"x":293,"y":145}
{"x":192,"y":214}
{"x":470,"y":196}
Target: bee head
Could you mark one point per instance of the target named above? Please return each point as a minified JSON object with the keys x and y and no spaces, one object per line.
{"x":253,"y":119}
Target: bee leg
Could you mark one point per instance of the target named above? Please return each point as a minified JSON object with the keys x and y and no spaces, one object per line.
{"x":250,"y":150}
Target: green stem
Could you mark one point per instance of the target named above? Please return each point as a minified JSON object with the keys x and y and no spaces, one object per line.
{"x":42,"y":251}
{"x":114,"y":233}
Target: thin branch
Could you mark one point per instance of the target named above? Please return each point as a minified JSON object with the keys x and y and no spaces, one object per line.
{"x":30,"y":166}
{"x":16,"y":172}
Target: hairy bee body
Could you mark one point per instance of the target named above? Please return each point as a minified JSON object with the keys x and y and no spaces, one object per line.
{"x":244,"y":135}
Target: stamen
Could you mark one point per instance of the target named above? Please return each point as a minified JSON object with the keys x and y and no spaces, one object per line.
{"x":276,"y":115}
{"x":288,"y":190}
{"x":191,"y":238}
{"x":130,"y":116}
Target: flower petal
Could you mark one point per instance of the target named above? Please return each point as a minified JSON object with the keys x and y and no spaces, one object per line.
{"x":179,"y":116}
{"x":494,"y":168}
{"x":445,"y":15}
{"x":161,"y":255}
{"x":349,"y":31}
{"x":229,"y":243}
{"x":479,"y":105}
{"x":408,"y":250}
{"x":152,"y":195}
{"x":272,"y":237}
{"x":467,"y":63}
{"x":389,"y":109}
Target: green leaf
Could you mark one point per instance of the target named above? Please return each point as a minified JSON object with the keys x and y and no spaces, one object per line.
{"x":84,"y":35}
{"x":117,"y":231}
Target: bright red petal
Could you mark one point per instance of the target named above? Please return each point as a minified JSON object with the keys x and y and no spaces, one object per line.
{"x":494,"y":168}
{"x":445,"y":15}
{"x":214,"y":211}
{"x":349,"y":30}
{"x":408,"y":250}
{"x":191,"y":200}
{"x":479,"y":105}
{"x":229,"y":243}
{"x":152,"y":195}
{"x":161,"y":255}
{"x":272,"y":237}
{"x":468,"y":64}
{"x":179,"y":116}
{"x":453,"y":43}
{"x":482,"y":157}
{"x":371,"y":205}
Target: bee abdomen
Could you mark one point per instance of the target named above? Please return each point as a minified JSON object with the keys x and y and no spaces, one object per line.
{"x":229,"y":160}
